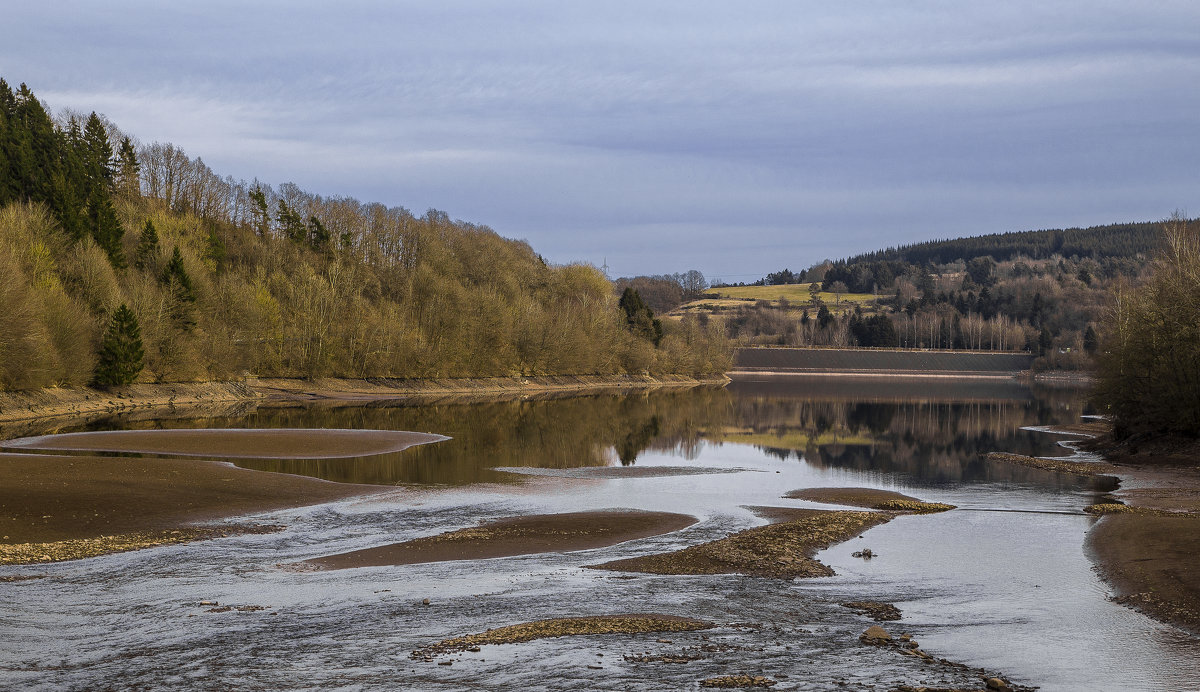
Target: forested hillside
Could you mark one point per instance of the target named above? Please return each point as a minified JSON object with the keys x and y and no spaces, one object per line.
{"x":228,"y":277}
{"x":1044,"y":292}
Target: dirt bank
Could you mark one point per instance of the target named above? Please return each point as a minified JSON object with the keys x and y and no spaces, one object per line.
{"x":83,"y":402}
{"x":543,"y":533}
{"x":58,"y":402}
{"x":1148,"y":555}
{"x":782,"y":550}
{"x":374,"y":389}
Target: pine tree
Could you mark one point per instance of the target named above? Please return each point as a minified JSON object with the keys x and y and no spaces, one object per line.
{"x":128,"y":169}
{"x":147,"y":247}
{"x":98,"y":153}
{"x":121,"y":350}
{"x":106,"y":228}
{"x":183,"y":292}
{"x":639,"y":317}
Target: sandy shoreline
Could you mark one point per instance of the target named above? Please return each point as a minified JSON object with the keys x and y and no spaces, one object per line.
{"x":1148,"y":555}
{"x":84,"y":401}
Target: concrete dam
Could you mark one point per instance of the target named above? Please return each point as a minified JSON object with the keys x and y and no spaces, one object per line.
{"x":813,"y":361}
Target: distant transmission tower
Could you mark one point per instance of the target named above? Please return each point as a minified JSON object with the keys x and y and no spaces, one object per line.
{"x":604,"y":267}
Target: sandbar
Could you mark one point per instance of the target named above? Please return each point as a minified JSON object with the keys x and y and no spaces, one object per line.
{"x":635,"y":623}
{"x":870,"y":498}
{"x":233,"y":443}
{"x":542,"y":533}
{"x":782,"y":550}
{"x":47,"y":498}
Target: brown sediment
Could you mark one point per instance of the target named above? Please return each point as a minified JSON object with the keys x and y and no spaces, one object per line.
{"x":1149,"y":557}
{"x":382,"y":388}
{"x":636,"y":623}
{"x":83,"y":402}
{"x":79,"y":548}
{"x":541,"y":533}
{"x":879,"y":612}
{"x":1146,"y":548}
{"x":870,"y":498}
{"x":52,"y":499}
{"x":782,"y":550}
{"x":1079,"y":468}
{"x":737,"y":681}
{"x":267,"y":443}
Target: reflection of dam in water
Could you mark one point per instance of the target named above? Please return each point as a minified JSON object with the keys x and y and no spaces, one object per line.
{"x":882,"y":362}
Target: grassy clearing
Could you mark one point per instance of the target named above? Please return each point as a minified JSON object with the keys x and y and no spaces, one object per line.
{"x":794,"y":293}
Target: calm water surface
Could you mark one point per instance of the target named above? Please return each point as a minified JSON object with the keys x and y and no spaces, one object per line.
{"x":1002,"y":583}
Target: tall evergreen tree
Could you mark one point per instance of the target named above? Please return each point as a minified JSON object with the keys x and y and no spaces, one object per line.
{"x":639,"y":317}
{"x":183,"y":292}
{"x":121,"y":351}
{"x":98,"y":153}
{"x":106,"y":227}
{"x":128,"y":170}
{"x":147,"y":247}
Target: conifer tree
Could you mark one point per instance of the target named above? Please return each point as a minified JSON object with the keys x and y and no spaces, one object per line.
{"x":106,"y":228}
{"x":182,"y":291}
{"x":128,"y":169}
{"x":98,"y":152}
{"x":147,"y":247}
{"x":121,"y":351}
{"x":639,"y":317}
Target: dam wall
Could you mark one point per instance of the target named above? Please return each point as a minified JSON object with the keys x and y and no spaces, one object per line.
{"x":915,"y":363}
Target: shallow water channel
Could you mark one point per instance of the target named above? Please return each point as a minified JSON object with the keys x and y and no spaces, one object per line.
{"x":1003,"y":583}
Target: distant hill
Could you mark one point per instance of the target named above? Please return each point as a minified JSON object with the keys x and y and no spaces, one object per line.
{"x":1097,"y":242}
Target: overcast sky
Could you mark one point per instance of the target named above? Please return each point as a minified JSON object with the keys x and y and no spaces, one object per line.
{"x":733,"y":138}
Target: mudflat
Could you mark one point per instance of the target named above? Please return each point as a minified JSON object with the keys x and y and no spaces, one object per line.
{"x":1150,"y":560}
{"x":1146,"y":549}
{"x":541,"y":533}
{"x":270,"y":443}
{"x":46,"y":498}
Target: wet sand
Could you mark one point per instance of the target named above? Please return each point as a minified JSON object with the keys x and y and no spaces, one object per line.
{"x":544,"y":533}
{"x":1147,"y":551}
{"x":781,"y":550}
{"x":869,"y":498}
{"x":48,"y":498}
{"x":1151,"y":562}
{"x":274,"y":443}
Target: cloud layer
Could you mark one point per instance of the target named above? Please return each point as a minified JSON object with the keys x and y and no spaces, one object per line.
{"x":732,"y":139}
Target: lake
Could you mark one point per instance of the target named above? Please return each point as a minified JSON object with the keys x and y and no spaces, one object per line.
{"x":1002,"y":583}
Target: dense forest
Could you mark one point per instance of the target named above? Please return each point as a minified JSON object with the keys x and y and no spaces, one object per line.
{"x":1045,"y":292}
{"x":119,"y":256}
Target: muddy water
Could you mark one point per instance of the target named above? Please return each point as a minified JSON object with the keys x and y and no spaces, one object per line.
{"x":1002,"y":584}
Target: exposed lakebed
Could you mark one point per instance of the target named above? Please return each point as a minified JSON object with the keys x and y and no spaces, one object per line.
{"x":1000,"y":583}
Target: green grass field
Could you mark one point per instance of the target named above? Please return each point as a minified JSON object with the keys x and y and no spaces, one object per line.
{"x":795,"y":294}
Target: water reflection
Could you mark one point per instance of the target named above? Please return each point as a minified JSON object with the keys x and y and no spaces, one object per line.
{"x":929,"y":432}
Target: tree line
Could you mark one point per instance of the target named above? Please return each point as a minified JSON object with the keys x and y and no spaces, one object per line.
{"x":224,"y":277}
